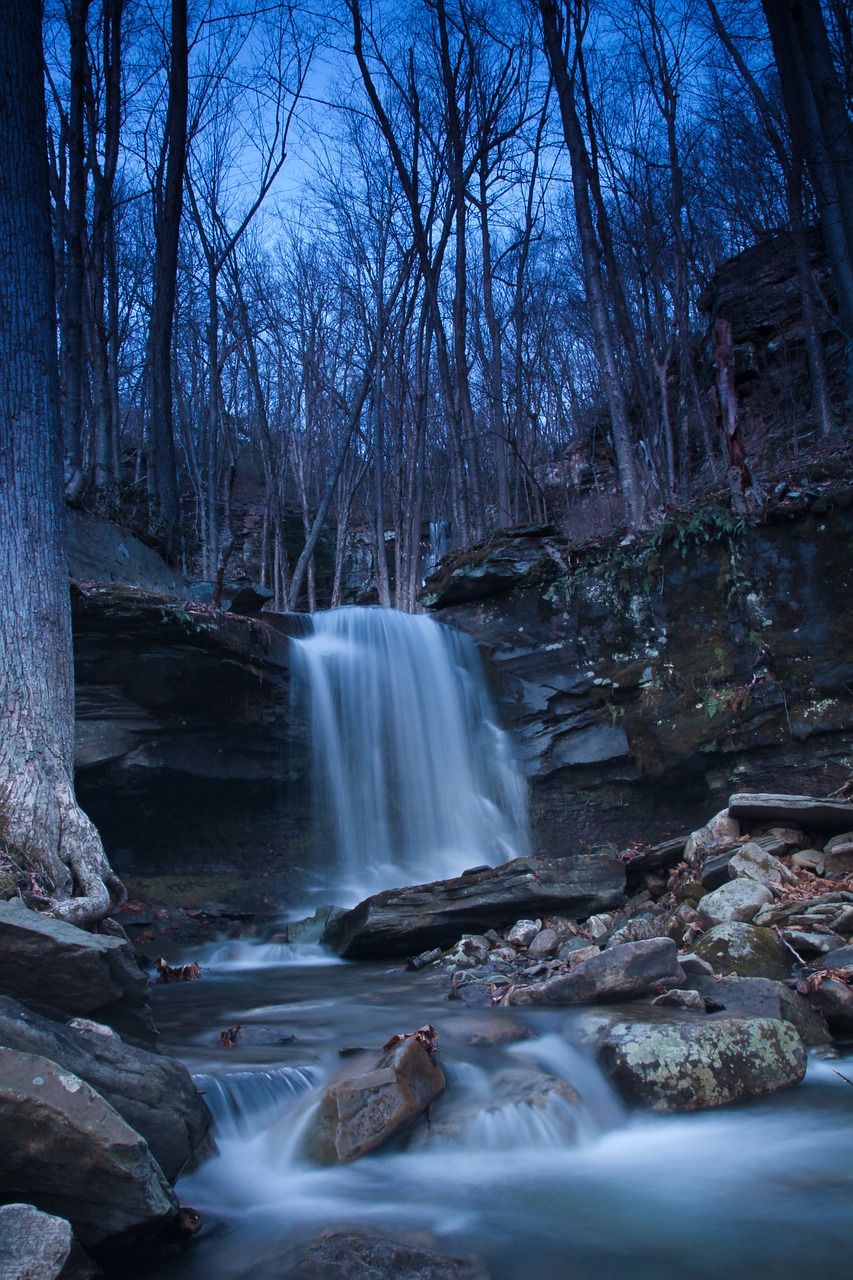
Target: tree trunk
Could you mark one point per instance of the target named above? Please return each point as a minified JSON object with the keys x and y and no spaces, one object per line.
{"x":39,"y":815}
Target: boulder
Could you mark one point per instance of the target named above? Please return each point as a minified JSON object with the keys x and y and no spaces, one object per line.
{"x":404,"y":921}
{"x":619,"y":973}
{"x":755,"y":863}
{"x":375,"y":1100}
{"x":33,"y":1245}
{"x":154,"y":1094}
{"x":516,"y":1091}
{"x":835,"y":1001}
{"x":743,"y":949}
{"x":69,"y":1153}
{"x":838,"y":855}
{"x":680,"y":998}
{"x":762,"y":998}
{"x":56,"y":968}
{"x":736,"y":900}
{"x":723,"y":829}
{"x":801,"y":811}
{"x":689,"y":1065}
{"x":344,"y":1255}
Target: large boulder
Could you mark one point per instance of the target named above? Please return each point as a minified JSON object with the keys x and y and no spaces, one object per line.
{"x":737,"y":900}
{"x":744,"y":949}
{"x":813,"y":812}
{"x":374,"y":1100}
{"x":619,"y":973}
{"x":154,"y":1094}
{"x":413,"y":919}
{"x":345,"y":1255}
{"x":59,"y":969}
{"x":689,"y":1065}
{"x":515,"y":1095}
{"x":38,"y":1246}
{"x":761,"y":998}
{"x":69,"y":1153}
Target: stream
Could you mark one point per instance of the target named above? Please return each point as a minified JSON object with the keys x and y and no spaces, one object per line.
{"x":585,"y":1191}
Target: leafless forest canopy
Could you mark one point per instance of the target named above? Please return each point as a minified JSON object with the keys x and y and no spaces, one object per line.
{"x":338,"y":272}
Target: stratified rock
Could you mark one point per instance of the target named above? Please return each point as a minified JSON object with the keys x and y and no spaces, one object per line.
{"x":66,"y":1151}
{"x":154,"y":1094}
{"x":57,"y":968}
{"x":736,"y":900}
{"x":762,"y":998}
{"x":744,"y":949}
{"x":346,"y":1255}
{"x":619,"y":973}
{"x":33,"y":1245}
{"x":722,"y":829}
{"x":374,"y":1101}
{"x":405,"y":921}
{"x":690,"y":1065}
{"x":804,"y":811}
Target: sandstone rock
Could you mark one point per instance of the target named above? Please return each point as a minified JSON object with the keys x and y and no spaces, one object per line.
{"x":345,"y":1255}
{"x":403,"y":921}
{"x":57,"y":968}
{"x":619,"y":973}
{"x":755,"y":863}
{"x":690,"y":1065}
{"x":743,"y":949}
{"x":545,"y":943}
{"x":762,"y":998}
{"x":69,"y":1153}
{"x":374,"y":1101}
{"x":154,"y":1094}
{"x":737,"y":900}
{"x":523,"y":932}
{"x":805,"y":811}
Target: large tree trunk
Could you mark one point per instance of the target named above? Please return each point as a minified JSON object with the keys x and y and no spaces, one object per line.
{"x":39,"y":816}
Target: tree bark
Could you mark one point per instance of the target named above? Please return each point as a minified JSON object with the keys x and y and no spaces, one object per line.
{"x":39,"y":816}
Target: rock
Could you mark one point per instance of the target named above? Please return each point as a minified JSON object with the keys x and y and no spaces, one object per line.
{"x":835,"y":1001}
{"x":743,"y":949}
{"x":755,"y":863}
{"x":545,"y":943}
{"x":762,"y":998}
{"x":736,"y":900}
{"x":838,"y":855}
{"x":154,"y":1094}
{"x":803,"y":811}
{"x":496,"y":1030}
{"x":402,"y":921}
{"x":523,"y":932}
{"x":518,"y":1089}
{"x":722,"y":827}
{"x":347,"y":1255}
{"x":640,"y":929}
{"x":243,"y":1035}
{"x":425,"y":959}
{"x":577,"y":955}
{"x":69,"y":1153}
{"x":33,"y":1245}
{"x":714,"y":869}
{"x":809,"y":860}
{"x":56,"y":968}
{"x":100,"y":551}
{"x":470,"y":951}
{"x":680,"y":998}
{"x":620,"y":973}
{"x":791,"y":837}
{"x":840,"y":958}
{"x":812,"y":944}
{"x":374,"y":1101}
{"x":693,"y":966}
{"x":689,"y":1065}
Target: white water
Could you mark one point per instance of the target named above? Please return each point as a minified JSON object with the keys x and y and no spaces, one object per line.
{"x":414,"y":776}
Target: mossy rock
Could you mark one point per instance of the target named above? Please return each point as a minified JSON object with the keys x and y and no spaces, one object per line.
{"x":744,"y":949}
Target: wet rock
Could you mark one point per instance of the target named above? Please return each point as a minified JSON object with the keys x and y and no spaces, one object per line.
{"x":425,"y":959}
{"x":349,"y":1255}
{"x":469,"y":952}
{"x":620,"y":973}
{"x":375,"y":1100}
{"x":154,"y":1094}
{"x":402,"y":921}
{"x":744,"y":949}
{"x":515,"y":1096}
{"x":755,"y":863}
{"x":523,"y":932}
{"x":243,"y":1036}
{"x":545,"y":943}
{"x":762,"y":998}
{"x":835,"y":1001}
{"x":69,"y":1153}
{"x":737,"y":900}
{"x":802,"y":811}
{"x":690,"y":1065}
{"x":56,"y":968}
{"x":680,"y":998}
{"x":497,"y":1030}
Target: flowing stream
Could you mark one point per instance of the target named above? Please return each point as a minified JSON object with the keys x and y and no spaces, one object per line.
{"x":582,"y":1191}
{"x":415,"y":779}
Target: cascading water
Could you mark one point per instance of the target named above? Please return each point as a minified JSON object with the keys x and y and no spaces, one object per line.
{"x":414,"y":774}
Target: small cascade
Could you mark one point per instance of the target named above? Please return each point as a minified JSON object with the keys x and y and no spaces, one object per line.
{"x":415,"y":779}
{"x":244,"y":1103}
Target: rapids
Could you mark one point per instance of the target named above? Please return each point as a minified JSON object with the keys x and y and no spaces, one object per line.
{"x":584,"y":1192}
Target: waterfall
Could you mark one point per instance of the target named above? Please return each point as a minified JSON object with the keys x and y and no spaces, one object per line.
{"x":415,"y":779}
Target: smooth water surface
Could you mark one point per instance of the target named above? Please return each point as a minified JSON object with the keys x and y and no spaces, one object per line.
{"x":581,"y":1192}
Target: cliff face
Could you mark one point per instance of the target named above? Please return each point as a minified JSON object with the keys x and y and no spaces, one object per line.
{"x":644,"y":681}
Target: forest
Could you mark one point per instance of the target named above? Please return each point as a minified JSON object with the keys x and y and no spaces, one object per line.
{"x":353,"y":273}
